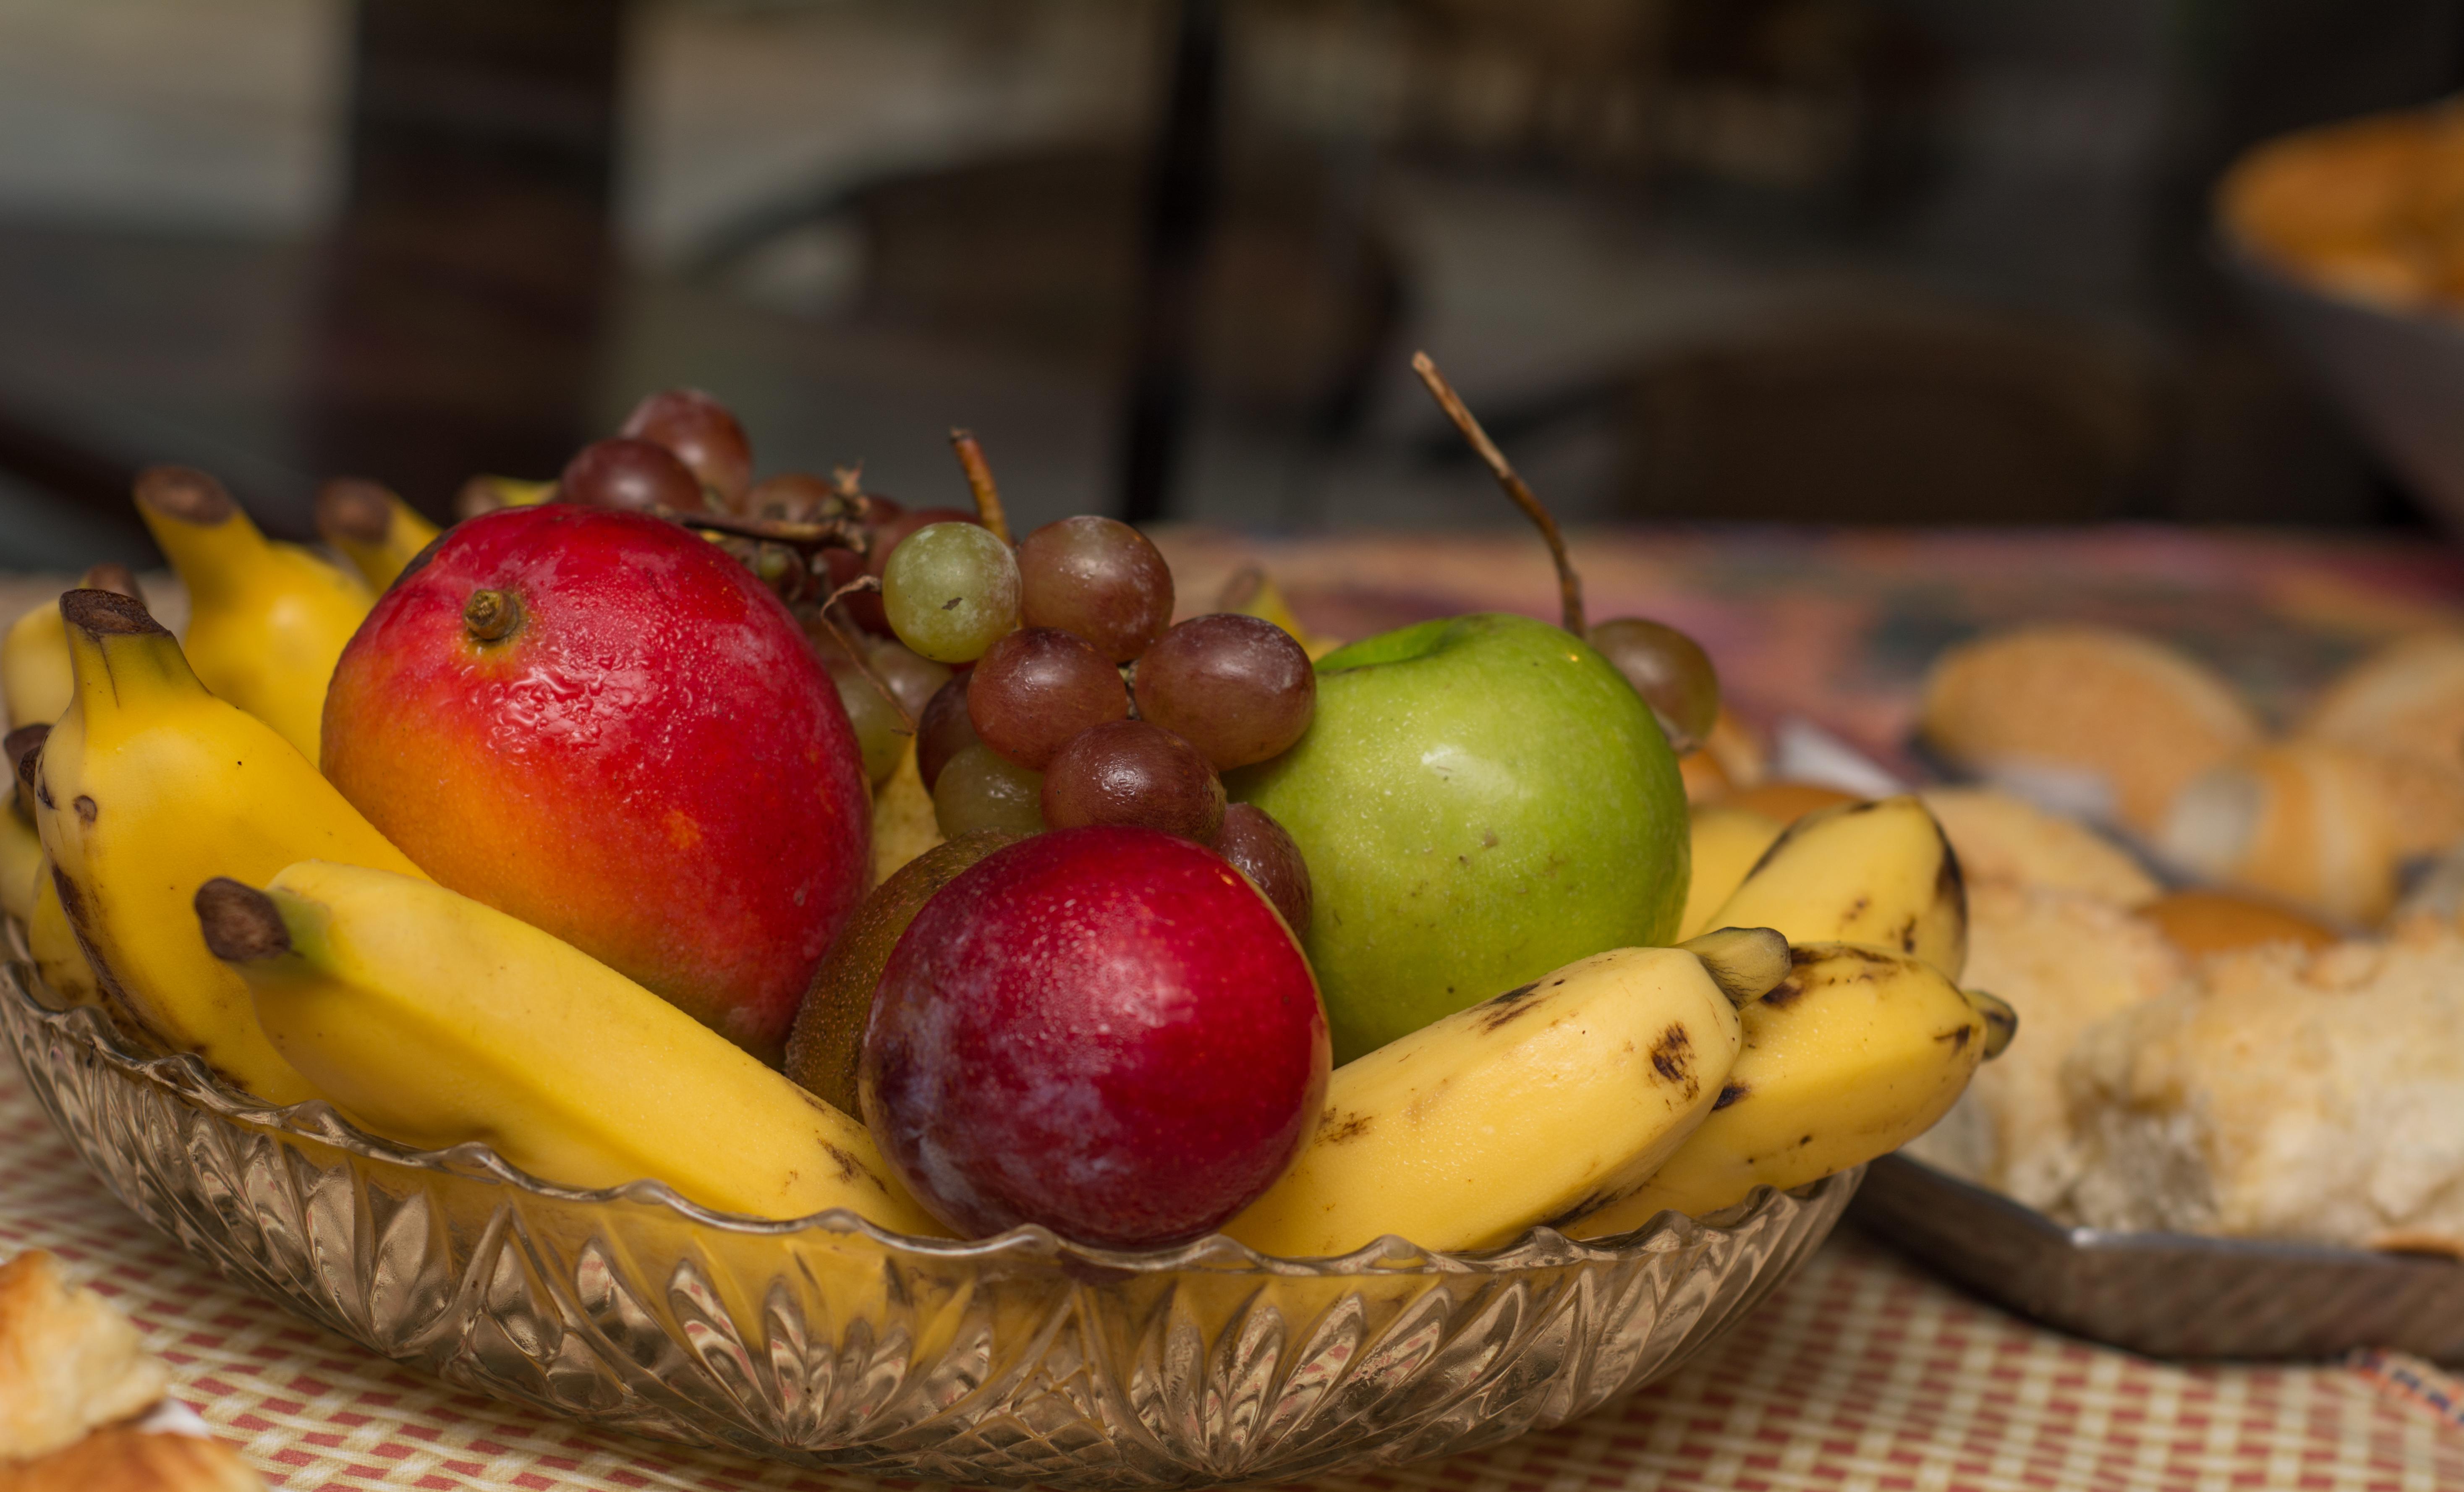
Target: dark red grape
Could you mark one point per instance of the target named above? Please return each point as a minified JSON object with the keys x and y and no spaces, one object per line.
{"x":797,"y":497}
{"x":911,"y":677}
{"x":1260,"y":850}
{"x":634,"y":474}
{"x":943,"y":730}
{"x":1134,"y":773}
{"x":1038,"y":687}
{"x":1098,"y":579}
{"x":703,"y":435}
{"x":1238,"y":687}
{"x":1670,"y":670}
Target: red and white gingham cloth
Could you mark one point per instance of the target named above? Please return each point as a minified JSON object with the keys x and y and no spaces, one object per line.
{"x":1863,"y":1373}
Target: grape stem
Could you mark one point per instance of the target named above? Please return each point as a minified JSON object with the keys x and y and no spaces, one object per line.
{"x":1569,"y":586}
{"x":806,"y":536}
{"x":979,"y":482}
{"x":855,"y":653}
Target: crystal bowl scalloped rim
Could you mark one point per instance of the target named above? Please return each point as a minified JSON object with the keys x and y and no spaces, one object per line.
{"x":828,"y":1342}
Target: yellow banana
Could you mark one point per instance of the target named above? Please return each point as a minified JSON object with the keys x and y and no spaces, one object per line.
{"x":53,"y":943}
{"x":21,"y":862}
{"x":487,"y":494}
{"x":27,"y":891}
{"x":1538,"y":1105}
{"x":436,"y":1019}
{"x":21,"y":845}
{"x":35,"y":654}
{"x":1252,"y":592}
{"x":1726,"y":844}
{"x":1873,"y":872}
{"x":1858,"y":1052}
{"x":34,"y":667}
{"x":148,"y":786}
{"x":266,"y":621}
{"x":372,"y":526}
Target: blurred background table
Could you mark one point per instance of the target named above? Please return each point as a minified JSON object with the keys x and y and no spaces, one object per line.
{"x":1823,"y":261}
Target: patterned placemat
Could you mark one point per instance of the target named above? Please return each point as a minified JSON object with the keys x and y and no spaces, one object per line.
{"x":1863,"y":1373}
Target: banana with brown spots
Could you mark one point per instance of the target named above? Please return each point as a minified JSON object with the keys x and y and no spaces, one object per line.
{"x":148,"y":786}
{"x":1878,"y":872}
{"x":1531,"y":1107}
{"x":435,"y":1019}
{"x":1855,"y":1053}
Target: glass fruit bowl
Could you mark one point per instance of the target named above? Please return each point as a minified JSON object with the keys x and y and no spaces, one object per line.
{"x":1021,"y":1359}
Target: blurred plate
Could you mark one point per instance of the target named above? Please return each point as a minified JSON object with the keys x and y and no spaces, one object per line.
{"x":2398,"y":375}
{"x":2167,"y":1294}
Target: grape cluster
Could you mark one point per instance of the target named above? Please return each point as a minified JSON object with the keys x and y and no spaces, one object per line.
{"x":1044,"y":682}
{"x":1081,"y":704}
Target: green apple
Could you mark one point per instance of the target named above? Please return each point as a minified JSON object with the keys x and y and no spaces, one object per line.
{"x":1481,"y":799}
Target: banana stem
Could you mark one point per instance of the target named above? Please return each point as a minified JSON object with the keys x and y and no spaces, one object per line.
{"x":979,"y":482}
{"x":1745,"y":963}
{"x":1569,"y":586}
{"x":2001,"y":1022}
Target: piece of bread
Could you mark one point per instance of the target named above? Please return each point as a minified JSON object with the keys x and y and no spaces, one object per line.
{"x":2109,"y":721}
{"x":122,"y":1458}
{"x":2007,"y":840}
{"x":2202,"y":923}
{"x":2284,"y":1094}
{"x":2339,"y":205}
{"x":68,"y":1361}
{"x":2405,"y":706}
{"x":2305,"y":821}
{"x":2065,"y":961}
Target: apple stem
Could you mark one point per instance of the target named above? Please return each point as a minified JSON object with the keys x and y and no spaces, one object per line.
{"x":1569,"y":586}
{"x":855,"y":653}
{"x":979,"y":482}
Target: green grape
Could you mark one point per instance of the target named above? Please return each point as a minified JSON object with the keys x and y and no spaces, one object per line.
{"x":980,"y":789}
{"x":951,"y":591}
{"x":880,"y":731}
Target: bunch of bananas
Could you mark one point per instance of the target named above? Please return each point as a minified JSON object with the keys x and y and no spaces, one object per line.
{"x":176,"y":858}
{"x":1822,"y":1027}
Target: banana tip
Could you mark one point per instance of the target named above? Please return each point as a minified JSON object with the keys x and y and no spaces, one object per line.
{"x":185,"y":494}
{"x":240,"y":922}
{"x":354,"y":509}
{"x":103,"y":613}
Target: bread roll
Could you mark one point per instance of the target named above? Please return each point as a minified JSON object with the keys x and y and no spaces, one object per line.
{"x":125,"y":1460}
{"x":2007,"y":840}
{"x":2307,"y":823}
{"x":2203,"y":923}
{"x":2110,"y":718}
{"x":2405,"y":705}
{"x":2284,"y":1094}
{"x":68,"y":1361}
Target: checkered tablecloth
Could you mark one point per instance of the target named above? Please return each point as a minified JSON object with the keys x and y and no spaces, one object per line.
{"x":1863,"y":1373}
